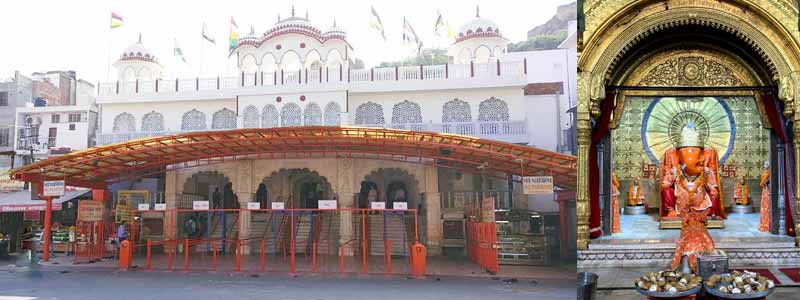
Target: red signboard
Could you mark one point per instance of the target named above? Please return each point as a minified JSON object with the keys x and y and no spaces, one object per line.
{"x":32,"y":215}
{"x":28,"y":207}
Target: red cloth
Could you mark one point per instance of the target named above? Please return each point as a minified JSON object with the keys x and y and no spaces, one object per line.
{"x":792,"y":273}
{"x":777,"y":121}
{"x":600,"y":131}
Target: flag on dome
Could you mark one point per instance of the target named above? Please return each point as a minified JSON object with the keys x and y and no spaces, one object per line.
{"x":439,"y":23}
{"x":116,"y":20}
{"x":375,"y":22}
{"x":207,"y":35}
{"x":233,"y":38}
{"x":178,"y":52}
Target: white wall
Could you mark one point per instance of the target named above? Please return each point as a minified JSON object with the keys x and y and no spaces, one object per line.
{"x":172,"y":111}
{"x":76,"y":139}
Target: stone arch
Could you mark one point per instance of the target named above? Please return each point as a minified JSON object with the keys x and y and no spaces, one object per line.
{"x":249,"y":63}
{"x":298,"y":187}
{"x":312,"y":115}
{"x":482,"y":54}
{"x":456,"y":110}
{"x":124,"y":123}
{"x":406,"y":112}
{"x":268,"y":63}
{"x":388,"y":180}
{"x":250,"y":117}
{"x":313,"y":60}
{"x":332,"y":111}
{"x":128,"y":74}
{"x":202,"y":183}
{"x":290,"y":115}
{"x":369,"y":113}
{"x":493,"y":110}
{"x":145,"y":74}
{"x":291,"y":61}
{"x":464,"y":56}
{"x":153,"y":122}
{"x":223,"y":119}
{"x":334,"y":58}
{"x":270,"y":117}
{"x":193,"y":120}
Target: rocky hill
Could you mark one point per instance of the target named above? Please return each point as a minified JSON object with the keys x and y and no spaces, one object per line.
{"x":558,"y":23}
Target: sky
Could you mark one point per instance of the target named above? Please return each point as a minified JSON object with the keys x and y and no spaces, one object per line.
{"x":74,"y":35}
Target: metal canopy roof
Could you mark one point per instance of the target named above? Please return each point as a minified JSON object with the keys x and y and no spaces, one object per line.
{"x":98,"y":166}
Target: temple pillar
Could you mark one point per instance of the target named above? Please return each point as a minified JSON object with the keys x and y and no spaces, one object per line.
{"x":347,"y":196}
{"x":245,"y":192}
{"x":171,"y":199}
{"x":244,"y":219}
{"x":433,"y":213}
{"x":584,"y":128}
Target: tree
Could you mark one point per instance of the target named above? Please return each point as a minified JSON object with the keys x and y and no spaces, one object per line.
{"x":428,"y":56}
{"x":539,"y":42}
{"x":357,"y":64}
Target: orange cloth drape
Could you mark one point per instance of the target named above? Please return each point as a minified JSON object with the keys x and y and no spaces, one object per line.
{"x":615,"y":226}
{"x":693,"y":204}
{"x":766,"y":216}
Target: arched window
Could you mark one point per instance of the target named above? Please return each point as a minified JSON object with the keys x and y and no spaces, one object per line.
{"x":193,"y":120}
{"x":124,"y":123}
{"x":223,"y":119}
{"x":270,"y":117}
{"x":312,"y":115}
{"x":332,"y":111}
{"x":406,"y":112}
{"x":493,"y":110}
{"x":250,"y":117}
{"x":456,"y":111}
{"x":369,"y":113}
{"x":290,"y":115}
{"x":153,"y":122}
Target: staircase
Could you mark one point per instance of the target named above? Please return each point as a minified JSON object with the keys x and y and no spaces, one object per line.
{"x":326,"y":232}
{"x":395,"y":230}
{"x":231,"y":227}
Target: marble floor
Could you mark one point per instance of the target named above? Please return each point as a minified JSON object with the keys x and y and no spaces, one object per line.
{"x":646,"y":227}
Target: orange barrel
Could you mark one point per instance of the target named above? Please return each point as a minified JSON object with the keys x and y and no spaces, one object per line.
{"x":418,"y":253}
{"x":124,"y":254}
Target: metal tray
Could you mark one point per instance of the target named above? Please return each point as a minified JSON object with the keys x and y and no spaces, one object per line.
{"x":685,"y":293}
{"x":722,"y":295}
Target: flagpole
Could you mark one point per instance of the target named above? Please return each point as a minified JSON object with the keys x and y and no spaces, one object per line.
{"x":202,"y":44}
{"x":108,"y":54}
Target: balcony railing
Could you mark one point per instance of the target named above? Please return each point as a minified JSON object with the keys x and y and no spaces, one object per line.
{"x":317,"y":76}
{"x":513,"y":131}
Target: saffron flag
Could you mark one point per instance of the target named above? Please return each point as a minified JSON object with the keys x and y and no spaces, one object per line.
{"x":207,"y":35}
{"x":233,"y":38}
{"x":116,"y":20}
{"x":375,"y":22}
{"x":409,"y":35}
{"x":178,"y":52}
{"x":439,"y":23}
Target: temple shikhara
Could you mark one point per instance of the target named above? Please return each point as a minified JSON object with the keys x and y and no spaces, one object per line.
{"x":301,"y":152}
{"x":687,"y":128}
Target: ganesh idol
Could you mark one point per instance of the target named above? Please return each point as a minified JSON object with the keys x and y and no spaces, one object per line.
{"x":688,"y":157}
{"x":693,"y":186}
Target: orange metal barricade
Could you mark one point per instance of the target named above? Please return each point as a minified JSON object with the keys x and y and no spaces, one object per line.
{"x":316,"y":243}
{"x":482,"y":245}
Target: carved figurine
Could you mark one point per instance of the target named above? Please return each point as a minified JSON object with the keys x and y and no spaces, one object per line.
{"x":741,"y":195}
{"x":635,"y":193}
{"x":765,"y":212}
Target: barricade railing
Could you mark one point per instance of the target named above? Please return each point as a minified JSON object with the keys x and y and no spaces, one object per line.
{"x":482,"y":245}
{"x":269,"y":244}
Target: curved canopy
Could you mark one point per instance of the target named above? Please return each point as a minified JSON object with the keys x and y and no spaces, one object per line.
{"x":98,"y":166}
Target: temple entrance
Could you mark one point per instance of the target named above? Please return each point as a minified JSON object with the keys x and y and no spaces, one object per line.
{"x":688,"y":130}
{"x":389,"y":185}
{"x":297,"y":188}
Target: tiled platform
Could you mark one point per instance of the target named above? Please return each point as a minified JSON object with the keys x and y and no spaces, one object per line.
{"x":642,"y":244}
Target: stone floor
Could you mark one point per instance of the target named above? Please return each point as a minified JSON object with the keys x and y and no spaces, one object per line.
{"x":646,"y":227}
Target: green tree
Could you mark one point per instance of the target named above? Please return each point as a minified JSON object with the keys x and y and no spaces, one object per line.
{"x":539,"y":42}
{"x":428,"y":56}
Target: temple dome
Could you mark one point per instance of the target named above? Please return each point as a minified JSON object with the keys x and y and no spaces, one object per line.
{"x":137,"y":51}
{"x":478,"y":27}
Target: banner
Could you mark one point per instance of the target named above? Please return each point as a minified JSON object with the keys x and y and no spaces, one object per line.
{"x":537,"y":185}
{"x":53,"y":188}
{"x":90,"y":211}
{"x":9,"y":185}
{"x":123,"y":212}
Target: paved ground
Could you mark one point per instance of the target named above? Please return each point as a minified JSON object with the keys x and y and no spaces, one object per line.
{"x":55,"y":282}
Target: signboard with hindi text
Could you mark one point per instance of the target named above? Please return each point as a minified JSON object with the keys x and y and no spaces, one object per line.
{"x":326,"y":204}
{"x":200,"y":205}
{"x":377,"y":205}
{"x":537,"y":185}
{"x":253,"y":205}
{"x":90,"y":211}
{"x":143,"y":206}
{"x":161,"y":206}
{"x":54,"y":188}
{"x":277,"y":205}
{"x":123,"y":212}
{"x":400,"y":205}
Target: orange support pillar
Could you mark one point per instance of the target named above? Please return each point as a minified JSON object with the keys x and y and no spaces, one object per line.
{"x":263,"y":257}
{"x":186,"y":255}
{"x":388,"y":256}
{"x":147,"y":264}
{"x":48,"y":216}
{"x":314,"y":257}
{"x":363,"y":242}
{"x":124,"y":255}
{"x":291,"y":233}
{"x":238,"y":256}
{"x":214,"y":253}
{"x":341,"y":259}
{"x":170,"y":251}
